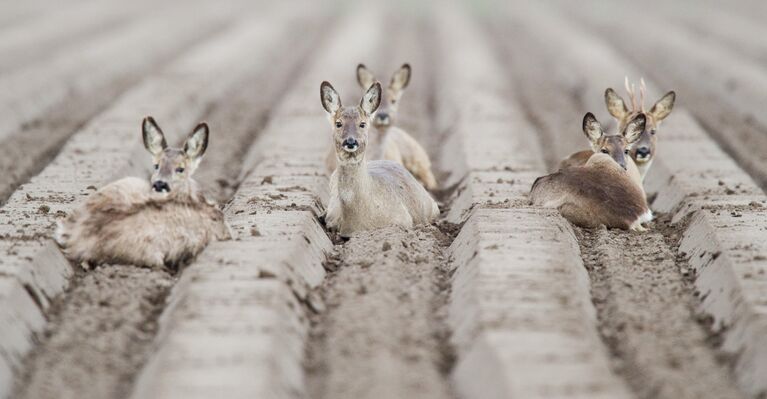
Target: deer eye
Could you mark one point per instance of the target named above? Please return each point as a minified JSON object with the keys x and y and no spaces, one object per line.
{"x":652,"y":132}
{"x":626,"y":152}
{"x":393,"y":101}
{"x":362,"y":125}
{"x":156,"y":166}
{"x":179,"y":170}
{"x":605,"y":151}
{"x":338,"y":124}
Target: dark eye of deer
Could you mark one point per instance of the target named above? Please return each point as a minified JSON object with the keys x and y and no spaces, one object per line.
{"x":652,"y":132}
{"x":626,"y":152}
{"x":179,"y":170}
{"x":605,"y":151}
{"x":338,"y":124}
{"x":362,"y":125}
{"x":156,"y":166}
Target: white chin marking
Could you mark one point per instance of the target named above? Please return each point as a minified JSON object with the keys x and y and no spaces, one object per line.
{"x":646,"y":217}
{"x":350,"y":150}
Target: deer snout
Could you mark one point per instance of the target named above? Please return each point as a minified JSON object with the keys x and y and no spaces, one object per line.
{"x":382,"y":118}
{"x":643,"y":152}
{"x":160,"y":186}
{"x":350,"y":144}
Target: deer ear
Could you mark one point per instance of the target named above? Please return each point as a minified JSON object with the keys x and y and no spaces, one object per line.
{"x":197,"y":142}
{"x":663,"y":107}
{"x":634,"y":128}
{"x":365,"y":76}
{"x":591,"y":127}
{"x":331,"y":101}
{"x":401,"y":78}
{"x":615,"y":105}
{"x":371,"y":99}
{"x":154,"y":139}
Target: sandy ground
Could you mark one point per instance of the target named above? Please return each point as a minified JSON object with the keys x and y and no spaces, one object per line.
{"x":98,"y":335}
{"x":382,"y":331}
{"x":646,"y":308}
{"x":383,"y":334}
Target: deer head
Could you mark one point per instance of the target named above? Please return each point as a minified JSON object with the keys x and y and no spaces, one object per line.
{"x":615,"y":145}
{"x":350,"y":124}
{"x":173,"y":167}
{"x":644,"y":149}
{"x":387,"y":112}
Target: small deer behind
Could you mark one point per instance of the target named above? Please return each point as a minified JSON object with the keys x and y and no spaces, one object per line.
{"x":643,"y":151}
{"x":600,"y":192}
{"x":162,"y":222}
{"x":390,"y":142}
{"x":365,"y":194}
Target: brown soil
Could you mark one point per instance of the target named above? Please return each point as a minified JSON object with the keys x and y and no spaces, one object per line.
{"x":98,"y":335}
{"x":383,"y":334}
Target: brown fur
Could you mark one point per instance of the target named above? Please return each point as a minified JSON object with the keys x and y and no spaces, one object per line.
{"x":597,"y":193}
{"x":129,"y":222}
{"x":368,"y":195}
{"x":644,"y":149}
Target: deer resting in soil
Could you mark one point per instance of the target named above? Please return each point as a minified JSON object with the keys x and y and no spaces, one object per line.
{"x":388,"y":141}
{"x":366,"y":194}
{"x":162,"y":222}
{"x":601,"y":191}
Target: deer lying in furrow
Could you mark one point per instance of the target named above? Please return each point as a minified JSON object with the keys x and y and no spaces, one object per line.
{"x":366,"y":194}
{"x":162,"y":222}
{"x":642,"y":151}
{"x":600,"y":192}
{"x":388,"y":141}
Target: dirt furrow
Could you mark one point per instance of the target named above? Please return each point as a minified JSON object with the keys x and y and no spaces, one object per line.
{"x":383,"y":334}
{"x":659,"y":342}
{"x":646,"y":309}
{"x":242,"y":112}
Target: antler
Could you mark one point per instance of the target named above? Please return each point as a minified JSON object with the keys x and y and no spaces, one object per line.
{"x":631,"y":89}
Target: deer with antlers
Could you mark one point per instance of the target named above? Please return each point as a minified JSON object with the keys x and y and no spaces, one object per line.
{"x":642,"y":151}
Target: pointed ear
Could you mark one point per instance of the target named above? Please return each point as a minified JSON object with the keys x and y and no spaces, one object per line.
{"x":634,"y":128}
{"x":371,"y":99}
{"x":331,"y":101}
{"x":615,"y":105}
{"x":663,"y":107}
{"x":365,"y":76}
{"x":401,"y":77}
{"x":591,"y":127}
{"x":197,"y":142}
{"x":154,"y":139}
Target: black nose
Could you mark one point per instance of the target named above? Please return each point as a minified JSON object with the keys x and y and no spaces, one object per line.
{"x":350,"y":143}
{"x":160,"y":186}
{"x":382,"y":117}
{"x":643,"y":152}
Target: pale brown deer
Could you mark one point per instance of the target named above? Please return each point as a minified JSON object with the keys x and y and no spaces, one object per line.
{"x":164,"y":221}
{"x":643,"y":151}
{"x":388,"y":141}
{"x":364,"y":194}
{"x":601,"y":191}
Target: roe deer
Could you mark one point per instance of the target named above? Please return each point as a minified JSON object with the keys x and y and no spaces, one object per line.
{"x":600,"y":192}
{"x":615,"y":145}
{"x":390,"y":142}
{"x":368,"y":194}
{"x":165,"y":221}
{"x":643,"y":151}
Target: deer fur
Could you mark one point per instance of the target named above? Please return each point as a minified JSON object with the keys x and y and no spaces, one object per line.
{"x":162,"y":222}
{"x":366,"y":194}
{"x":616,"y":146}
{"x":599,"y":192}
{"x":390,"y":142}
{"x":643,"y":151}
